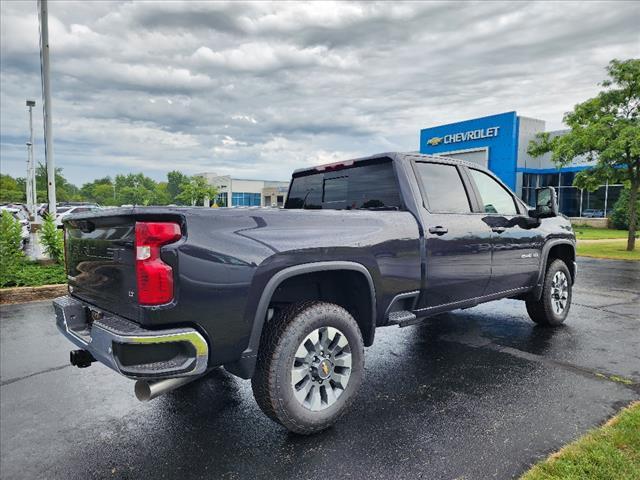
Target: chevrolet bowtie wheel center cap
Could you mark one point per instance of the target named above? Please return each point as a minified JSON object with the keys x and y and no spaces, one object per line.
{"x":321,"y":368}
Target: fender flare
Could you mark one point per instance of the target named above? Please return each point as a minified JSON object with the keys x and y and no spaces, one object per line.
{"x":544,"y":260}
{"x":245,"y":366}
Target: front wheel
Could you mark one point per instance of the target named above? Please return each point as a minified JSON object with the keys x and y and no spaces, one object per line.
{"x":310,"y":366}
{"x":553,"y":306}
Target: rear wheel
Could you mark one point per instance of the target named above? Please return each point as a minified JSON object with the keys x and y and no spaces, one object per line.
{"x":553,"y":306}
{"x":310,"y":366}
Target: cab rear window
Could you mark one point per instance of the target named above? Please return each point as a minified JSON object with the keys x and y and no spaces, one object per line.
{"x":364,"y":185}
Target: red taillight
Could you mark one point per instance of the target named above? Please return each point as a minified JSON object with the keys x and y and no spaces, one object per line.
{"x":155,"y":278}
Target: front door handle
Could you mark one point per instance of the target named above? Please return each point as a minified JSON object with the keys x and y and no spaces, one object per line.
{"x":438,"y":230}
{"x":498,"y":229}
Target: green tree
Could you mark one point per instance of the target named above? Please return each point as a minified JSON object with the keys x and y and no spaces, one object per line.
{"x":606,"y":129}
{"x":134,"y":180}
{"x":103,"y":194}
{"x":194,"y":191}
{"x":136,"y":195}
{"x":101,"y":191}
{"x":174,"y":180}
{"x":620,"y":213}
{"x":135,"y":189}
{"x":65,"y":191}
{"x":161,"y":194}
{"x":10,"y":189}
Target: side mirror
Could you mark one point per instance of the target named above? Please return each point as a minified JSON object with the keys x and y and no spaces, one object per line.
{"x":546,"y":203}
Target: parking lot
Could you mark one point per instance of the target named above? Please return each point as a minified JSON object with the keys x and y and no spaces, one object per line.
{"x":480,"y":393}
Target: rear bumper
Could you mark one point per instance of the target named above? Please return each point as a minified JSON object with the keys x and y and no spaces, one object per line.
{"x":129,"y":349}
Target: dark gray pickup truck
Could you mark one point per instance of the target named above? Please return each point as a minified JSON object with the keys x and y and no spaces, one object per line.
{"x":290,"y":297}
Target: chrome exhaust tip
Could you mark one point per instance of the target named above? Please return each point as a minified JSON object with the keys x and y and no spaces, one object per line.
{"x":146,"y":391}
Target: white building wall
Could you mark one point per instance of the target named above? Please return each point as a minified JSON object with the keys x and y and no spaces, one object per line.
{"x":528,"y":128}
{"x":247,"y":186}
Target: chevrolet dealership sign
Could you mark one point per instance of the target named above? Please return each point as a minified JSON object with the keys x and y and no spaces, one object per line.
{"x":497,"y":135}
{"x":465,"y":136}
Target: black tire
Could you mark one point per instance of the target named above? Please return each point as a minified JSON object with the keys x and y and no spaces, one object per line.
{"x":272,"y":380}
{"x":542,"y":311}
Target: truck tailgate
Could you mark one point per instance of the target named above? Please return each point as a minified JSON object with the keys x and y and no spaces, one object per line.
{"x":100,"y":257}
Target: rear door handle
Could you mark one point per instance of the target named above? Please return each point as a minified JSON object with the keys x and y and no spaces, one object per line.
{"x":438,"y":230}
{"x":498,"y":229}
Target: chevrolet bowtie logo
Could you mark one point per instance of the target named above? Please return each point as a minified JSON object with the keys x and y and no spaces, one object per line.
{"x":434,"y":141}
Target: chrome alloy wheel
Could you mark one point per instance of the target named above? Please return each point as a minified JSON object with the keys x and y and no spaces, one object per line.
{"x":559,"y":292}
{"x":321,"y":368}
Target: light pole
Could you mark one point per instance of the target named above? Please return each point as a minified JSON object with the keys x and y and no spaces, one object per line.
{"x":32,"y":198}
{"x":46,"y":106}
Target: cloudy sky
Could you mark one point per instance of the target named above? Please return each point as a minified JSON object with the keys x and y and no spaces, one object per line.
{"x":257,"y":89}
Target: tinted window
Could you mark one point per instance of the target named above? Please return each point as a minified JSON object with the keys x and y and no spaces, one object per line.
{"x":335,"y":189}
{"x":306,"y":192}
{"x":366,"y":185}
{"x":548,"y":179}
{"x":566,"y":179}
{"x":443,"y":188}
{"x":495,"y":199}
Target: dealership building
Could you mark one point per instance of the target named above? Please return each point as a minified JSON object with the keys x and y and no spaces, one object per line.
{"x":242,"y":192}
{"x":499,"y":142}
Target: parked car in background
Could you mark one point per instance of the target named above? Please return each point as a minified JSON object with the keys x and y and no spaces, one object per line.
{"x":22,"y":209}
{"x":593,"y":213}
{"x":63,"y":211}
{"x":22,"y":217}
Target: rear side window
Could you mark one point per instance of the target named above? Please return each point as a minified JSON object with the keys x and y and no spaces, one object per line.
{"x":443,"y":188}
{"x":370,"y":185}
{"x":495,"y":199}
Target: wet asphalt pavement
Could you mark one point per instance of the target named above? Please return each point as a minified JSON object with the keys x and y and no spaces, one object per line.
{"x":480,"y":393}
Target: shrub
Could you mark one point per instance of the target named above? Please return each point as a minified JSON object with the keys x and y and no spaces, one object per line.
{"x":52,"y":240}
{"x":620,"y":214}
{"x":32,"y":274}
{"x":15,"y":270}
{"x":11,"y":256}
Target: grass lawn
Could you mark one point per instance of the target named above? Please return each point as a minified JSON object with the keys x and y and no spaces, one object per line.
{"x":615,"y":249}
{"x":590,"y":233}
{"x":609,"y":452}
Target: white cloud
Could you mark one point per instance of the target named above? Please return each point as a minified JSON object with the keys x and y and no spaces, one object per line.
{"x":258,"y":89}
{"x":244,"y":118}
{"x":262,"y":57}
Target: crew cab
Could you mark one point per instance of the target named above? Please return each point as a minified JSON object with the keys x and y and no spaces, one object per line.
{"x":290,"y":297}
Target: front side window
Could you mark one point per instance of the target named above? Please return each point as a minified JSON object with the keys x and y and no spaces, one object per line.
{"x":494,"y":197}
{"x":443,"y":188}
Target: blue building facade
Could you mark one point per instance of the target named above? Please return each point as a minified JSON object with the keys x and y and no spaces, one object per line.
{"x":490,"y":141}
{"x":499,"y":142}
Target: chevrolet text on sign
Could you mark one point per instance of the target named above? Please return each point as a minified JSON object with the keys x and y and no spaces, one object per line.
{"x":465,"y":136}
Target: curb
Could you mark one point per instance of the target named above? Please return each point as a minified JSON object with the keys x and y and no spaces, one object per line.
{"x":31,"y":294}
